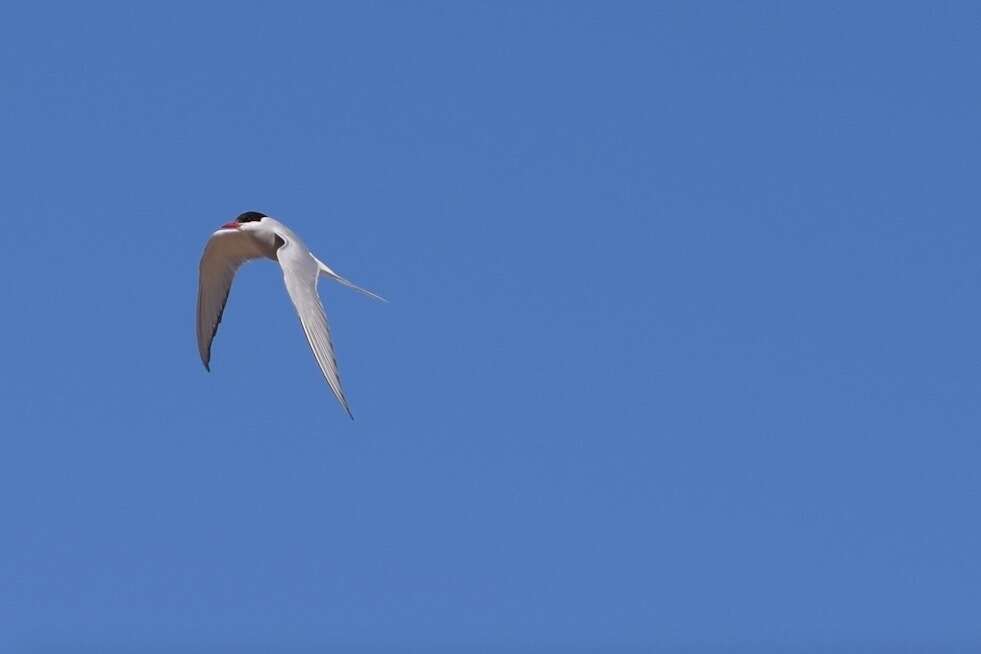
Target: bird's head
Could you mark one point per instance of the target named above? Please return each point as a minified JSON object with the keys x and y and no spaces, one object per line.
{"x":246,"y":221}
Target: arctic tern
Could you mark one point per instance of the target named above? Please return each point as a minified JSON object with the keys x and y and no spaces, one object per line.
{"x":254,"y":235}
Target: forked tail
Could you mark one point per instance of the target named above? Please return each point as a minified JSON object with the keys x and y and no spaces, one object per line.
{"x":326,"y":271}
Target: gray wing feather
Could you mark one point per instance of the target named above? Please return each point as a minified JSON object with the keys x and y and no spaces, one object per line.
{"x":301,"y":272}
{"x":225,"y":252}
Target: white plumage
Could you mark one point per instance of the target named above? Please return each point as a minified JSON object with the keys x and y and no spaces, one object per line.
{"x":254,"y":235}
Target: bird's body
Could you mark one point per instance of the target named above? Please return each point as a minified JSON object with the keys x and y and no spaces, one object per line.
{"x":254,"y":235}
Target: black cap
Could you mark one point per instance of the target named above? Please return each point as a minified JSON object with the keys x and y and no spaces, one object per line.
{"x":250,"y":217}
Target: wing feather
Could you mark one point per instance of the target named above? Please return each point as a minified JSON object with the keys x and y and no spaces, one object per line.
{"x":301,"y":272}
{"x":225,"y":252}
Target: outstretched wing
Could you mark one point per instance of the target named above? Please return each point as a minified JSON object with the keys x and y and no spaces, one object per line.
{"x":225,"y":252}
{"x":300,"y":272}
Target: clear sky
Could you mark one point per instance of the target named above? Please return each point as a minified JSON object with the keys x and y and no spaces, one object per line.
{"x":682,"y":348}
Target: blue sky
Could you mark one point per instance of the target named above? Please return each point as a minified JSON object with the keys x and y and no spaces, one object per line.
{"x":682,"y":347}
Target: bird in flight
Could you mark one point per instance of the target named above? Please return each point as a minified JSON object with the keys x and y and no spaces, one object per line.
{"x":254,"y":235}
